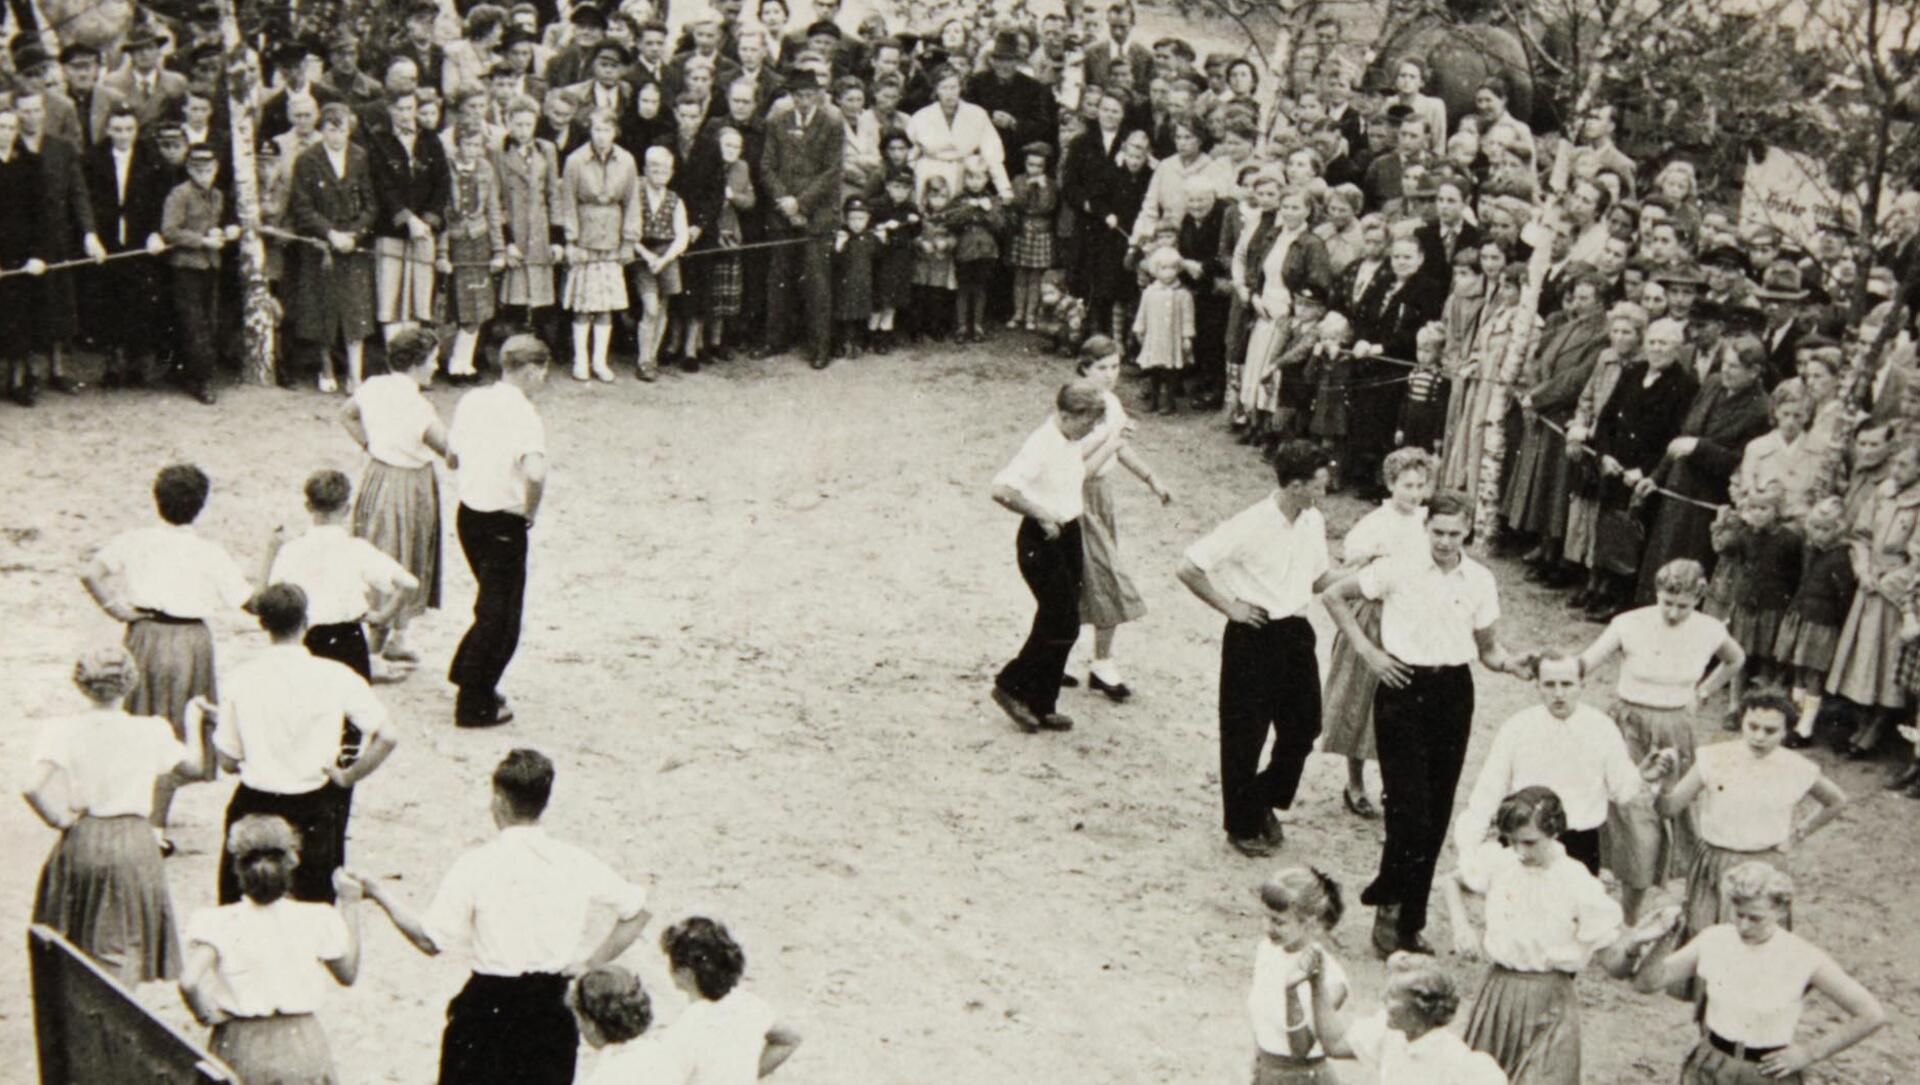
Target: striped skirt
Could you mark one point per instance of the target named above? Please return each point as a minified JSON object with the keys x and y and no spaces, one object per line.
{"x":104,"y":889}
{"x":176,"y":665}
{"x":1530,"y":1023}
{"x":1271,"y":1069}
{"x":288,"y":1049}
{"x":398,"y":511}
{"x":1708,"y":1065}
{"x":1346,"y":716}
{"x":1637,"y":844}
{"x":1107,"y":595}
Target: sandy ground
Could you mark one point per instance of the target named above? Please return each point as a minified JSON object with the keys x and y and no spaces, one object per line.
{"x":764,"y":611}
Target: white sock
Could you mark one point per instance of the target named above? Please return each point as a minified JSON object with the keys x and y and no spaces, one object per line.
{"x":465,"y":340}
{"x":602,"y":336}
{"x":582,"y":330}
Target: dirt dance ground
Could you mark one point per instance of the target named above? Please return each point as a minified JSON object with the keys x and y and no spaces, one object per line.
{"x":764,"y":610}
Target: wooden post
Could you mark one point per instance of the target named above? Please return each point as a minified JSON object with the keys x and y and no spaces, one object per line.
{"x":258,"y":314}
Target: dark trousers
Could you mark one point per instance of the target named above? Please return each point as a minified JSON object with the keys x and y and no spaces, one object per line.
{"x":1269,"y":681}
{"x":1583,"y":845}
{"x":1052,"y":569}
{"x":344,"y":642}
{"x":800,"y":277}
{"x":496,"y":547}
{"x":319,"y":816}
{"x":1421,"y":732}
{"x":196,"y":305}
{"x":509,"y":1030}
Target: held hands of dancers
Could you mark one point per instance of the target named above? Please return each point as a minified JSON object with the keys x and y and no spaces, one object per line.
{"x":348,"y":888}
{"x":1659,"y":764}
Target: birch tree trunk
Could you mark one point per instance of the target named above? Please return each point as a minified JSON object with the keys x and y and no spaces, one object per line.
{"x":259,"y":315}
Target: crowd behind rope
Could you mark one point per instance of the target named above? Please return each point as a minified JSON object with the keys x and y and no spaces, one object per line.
{"x":1689,"y":434}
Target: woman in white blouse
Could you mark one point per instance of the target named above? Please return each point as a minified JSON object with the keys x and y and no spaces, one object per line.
{"x":1546,"y":917}
{"x":103,"y":885}
{"x":257,"y":968}
{"x":398,"y":505}
{"x":1756,"y":977}
{"x":728,"y":1036}
{"x":1664,"y":650}
{"x":948,"y":131}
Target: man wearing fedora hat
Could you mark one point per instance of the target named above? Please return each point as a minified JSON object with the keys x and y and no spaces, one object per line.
{"x":1022,"y":108}
{"x":151,"y":90}
{"x":801,"y":167}
{"x":300,"y":62}
{"x":92,"y":103}
{"x":33,"y":70}
{"x":573,"y":63}
{"x":1783,"y":295}
{"x":1726,"y":270}
{"x":607,"y":88}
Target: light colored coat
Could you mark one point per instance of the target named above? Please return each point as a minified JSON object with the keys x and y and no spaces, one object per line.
{"x":529,"y":194}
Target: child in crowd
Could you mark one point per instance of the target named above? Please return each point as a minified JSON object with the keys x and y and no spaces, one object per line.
{"x":472,"y":247}
{"x":1062,"y":317}
{"x":1770,"y":555}
{"x":897,"y":222}
{"x":600,"y":214}
{"x":1328,"y":368}
{"x":934,"y":278}
{"x":856,"y":249}
{"x":1165,"y":327}
{"x":663,"y":237}
{"x":1284,"y":398}
{"x":1423,"y":413}
{"x":190,"y":225}
{"x":1301,"y":904}
{"x":1036,"y":200}
{"x":1811,"y":627}
{"x":725,"y":278}
{"x":976,"y":218}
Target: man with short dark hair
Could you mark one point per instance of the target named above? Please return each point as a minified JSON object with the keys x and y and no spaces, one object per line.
{"x":532,"y":911}
{"x":498,"y":448}
{"x":92,"y":103}
{"x":1119,"y":54}
{"x":1439,"y":612}
{"x":121,"y":302}
{"x":1261,"y":570}
{"x":279,"y":728}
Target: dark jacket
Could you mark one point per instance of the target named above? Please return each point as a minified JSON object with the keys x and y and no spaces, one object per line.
{"x":1030,"y":102}
{"x":65,"y":217}
{"x":422,"y":184}
{"x":1640,"y":420}
{"x":138,"y":215}
{"x":806,"y":164}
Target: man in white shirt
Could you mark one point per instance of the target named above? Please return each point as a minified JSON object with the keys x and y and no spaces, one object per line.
{"x":534,"y":912}
{"x":1438,"y":614}
{"x":498,"y":450}
{"x":1261,"y":569}
{"x":279,"y":729}
{"x":1043,"y":484}
{"x":348,"y":581}
{"x":1572,"y":748}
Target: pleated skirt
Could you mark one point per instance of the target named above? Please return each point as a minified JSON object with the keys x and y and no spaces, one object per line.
{"x":1530,"y":1023}
{"x":1636,"y":843}
{"x":597,"y":286}
{"x":1805,"y":644}
{"x":176,"y":665}
{"x":1704,"y":905}
{"x":1756,"y":630}
{"x":104,"y":889}
{"x":398,"y":511}
{"x":289,"y":1049}
{"x":1708,"y":1065}
{"x":1346,"y":715}
{"x":1107,"y":595}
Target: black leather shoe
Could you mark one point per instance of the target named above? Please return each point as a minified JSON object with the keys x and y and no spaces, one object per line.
{"x":1253,"y":847}
{"x":1416,"y":943}
{"x":819,"y":361}
{"x":1016,"y":710}
{"x":204,"y":393}
{"x":63,"y":384}
{"x":502,"y":713}
{"x":1385,"y":938}
{"x":1116,"y":691}
{"x":1068,"y":681}
{"x":1056,"y":721}
{"x":1580,"y":600}
{"x":1905,"y":778}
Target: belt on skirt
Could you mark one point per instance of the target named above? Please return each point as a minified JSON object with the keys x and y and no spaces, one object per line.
{"x":1738,"y":1050}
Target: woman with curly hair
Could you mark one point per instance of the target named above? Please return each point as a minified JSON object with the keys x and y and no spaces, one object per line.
{"x":728,"y":1036}
{"x":93,"y":781}
{"x":615,"y":1014}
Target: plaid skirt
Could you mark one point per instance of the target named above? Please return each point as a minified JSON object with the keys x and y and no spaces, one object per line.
{"x":725,"y":286}
{"x":104,"y":889}
{"x":470,"y":289}
{"x":1032,"y":247}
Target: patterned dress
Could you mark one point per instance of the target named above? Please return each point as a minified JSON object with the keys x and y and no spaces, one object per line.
{"x":472,"y":238}
{"x":1035,"y":199}
{"x":600,"y":201}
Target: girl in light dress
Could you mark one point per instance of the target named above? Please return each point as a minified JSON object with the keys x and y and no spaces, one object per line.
{"x":1164,"y":326}
{"x":103,"y":886}
{"x":1398,"y":528}
{"x":1756,"y":977}
{"x":728,"y":1036}
{"x":615,"y":1017}
{"x":1546,"y":917}
{"x":1886,"y":544}
{"x":1664,"y":650}
{"x":256,"y":968}
{"x":1301,"y":904}
{"x":600,"y":213}
{"x":1811,"y":627}
{"x":1108,"y":598}
{"x":1744,"y":795}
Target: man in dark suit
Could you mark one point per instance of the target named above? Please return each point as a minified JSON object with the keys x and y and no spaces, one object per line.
{"x":767,"y":85}
{"x":411,"y":176}
{"x":151,"y":90}
{"x":66,"y":223}
{"x":429,"y":59}
{"x":1386,"y":175}
{"x":1118,"y":51}
{"x":92,"y":102}
{"x":300,"y":61}
{"x":1022,"y":108}
{"x":34,"y":74}
{"x":1784,"y":296}
{"x":609,"y":89}
{"x":801,"y":167}
{"x":1085,"y":172}
{"x":574,"y":63}
{"x":128,"y":188}
{"x":650,"y":65}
